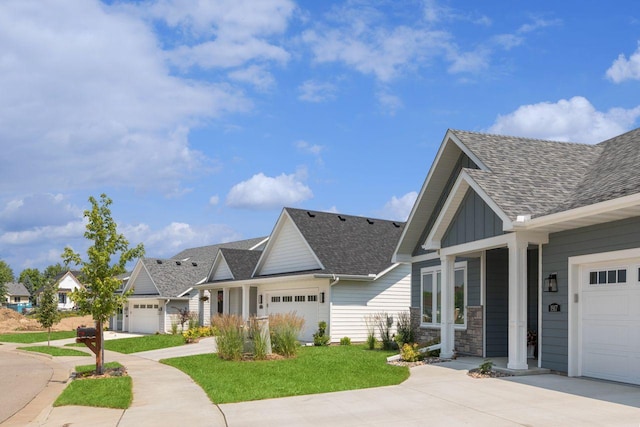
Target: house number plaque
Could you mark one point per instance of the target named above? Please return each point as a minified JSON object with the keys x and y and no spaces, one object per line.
{"x":554,"y":308}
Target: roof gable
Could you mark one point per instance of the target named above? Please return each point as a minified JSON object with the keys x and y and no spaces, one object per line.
{"x":235,"y":264}
{"x":16,"y":289}
{"x":287,"y":250}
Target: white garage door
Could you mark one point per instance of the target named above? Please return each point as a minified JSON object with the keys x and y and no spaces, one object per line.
{"x":611,"y":320}
{"x":144,"y":318}
{"x":303,"y":301}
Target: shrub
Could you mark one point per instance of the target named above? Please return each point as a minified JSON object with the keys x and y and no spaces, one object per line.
{"x":410,"y":353}
{"x":320,"y":338}
{"x":230,"y":340}
{"x":371,"y":341}
{"x":384,"y":322}
{"x":486,"y":367}
{"x":404,"y":333}
{"x":284,"y":329}
{"x":174,"y":327}
{"x":370,"y":321}
{"x":345,"y":341}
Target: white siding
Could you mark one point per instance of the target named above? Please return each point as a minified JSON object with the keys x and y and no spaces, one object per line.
{"x":143,"y":284}
{"x":67,"y":282}
{"x":352,"y":301}
{"x":289,"y":252}
{"x":222,"y":271}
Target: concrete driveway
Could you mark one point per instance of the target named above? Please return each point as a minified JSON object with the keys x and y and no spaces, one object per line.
{"x":23,"y":377}
{"x":445,"y":395}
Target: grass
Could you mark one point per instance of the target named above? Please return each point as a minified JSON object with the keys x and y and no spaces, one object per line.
{"x":315,"y":370}
{"x":148,"y":342}
{"x":54,"y":351}
{"x":31,"y":337}
{"x":110,"y":392}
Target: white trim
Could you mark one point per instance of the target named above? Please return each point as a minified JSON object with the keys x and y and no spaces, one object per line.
{"x":460,"y":265}
{"x":425,"y":257}
{"x":257,"y":245}
{"x":575,"y":263}
{"x":483,"y":297}
{"x":540,"y":282}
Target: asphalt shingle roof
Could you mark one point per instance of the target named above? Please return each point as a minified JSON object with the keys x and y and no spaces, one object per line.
{"x":531,"y":176}
{"x":241,"y":262}
{"x":348,"y":244}
{"x":175,"y":275}
{"x":17,"y":289}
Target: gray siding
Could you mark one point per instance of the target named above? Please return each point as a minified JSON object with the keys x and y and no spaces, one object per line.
{"x":475,"y":220}
{"x":612,"y":236}
{"x":463,"y":162}
{"x":497,"y":305}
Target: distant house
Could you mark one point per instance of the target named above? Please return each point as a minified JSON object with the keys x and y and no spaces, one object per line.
{"x":65,"y":283}
{"x":518,"y":244}
{"x":163,"y":286}
{"x":17,"y":297}
{"x":324,"y":266}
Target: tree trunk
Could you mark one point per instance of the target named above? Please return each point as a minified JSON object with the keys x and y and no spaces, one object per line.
{"x":49,"y":337}
{"x":99,"y":352}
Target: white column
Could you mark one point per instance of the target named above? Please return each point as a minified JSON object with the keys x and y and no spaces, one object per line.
{"x":225,"y":301}
{"x":245,"y":302}
{"x":447,"y":337}
{"x":517,"y":304}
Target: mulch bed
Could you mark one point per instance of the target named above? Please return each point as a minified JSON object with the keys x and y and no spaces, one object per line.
{"x":120,"y":371}
{"x":475,"y":373}
{"x":425,"y":361}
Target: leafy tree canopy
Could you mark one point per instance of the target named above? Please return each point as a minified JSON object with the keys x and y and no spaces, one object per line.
{"x":32,"y":279}
{"x":6,"y":276}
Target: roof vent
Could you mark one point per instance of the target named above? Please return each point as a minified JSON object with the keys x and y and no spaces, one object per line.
{"x":178,"y":262}
{"x":195,"y":264}
{"x":341,"y":218}
{"x":159,"y":261}
{"x":396,"y":225}
{"x":311,"y":215}
{"x":369,"y":221}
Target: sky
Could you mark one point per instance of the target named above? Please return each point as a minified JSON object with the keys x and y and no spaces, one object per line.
{"x":201,"y":119}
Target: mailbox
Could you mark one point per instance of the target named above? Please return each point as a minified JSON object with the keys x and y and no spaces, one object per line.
{"x":84,"y":332}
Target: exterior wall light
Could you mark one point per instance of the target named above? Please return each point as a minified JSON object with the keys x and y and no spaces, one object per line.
{"x":551,"y":283}
{"x":322,"y":297}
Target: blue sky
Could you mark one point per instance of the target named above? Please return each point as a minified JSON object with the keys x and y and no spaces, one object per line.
{"x":201,"y":120}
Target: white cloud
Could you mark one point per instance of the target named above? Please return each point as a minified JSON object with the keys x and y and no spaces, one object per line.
{"x":389,"y":102}
{"x":314,"y":91}
{"x":214,"y":200}
{"x":314,"y":149}
{"x":575,"y":119}
{"x":255,"y":75}
{"x":224,"y":33}
{"x":625,"y":69}
{"x":88,"y":99}
{"x":265,"y":192}
{"x":399,"y":208}
{"x":37,"y":210}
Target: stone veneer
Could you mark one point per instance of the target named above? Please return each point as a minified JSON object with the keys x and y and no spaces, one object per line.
{"x":468,"y":342}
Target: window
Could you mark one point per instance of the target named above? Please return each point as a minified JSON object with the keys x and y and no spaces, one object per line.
{"x":312,"y":298}
{"x":16,"y":299}
{"x":275,"y":299}
{"x":432,"y":295}
{"x":300,"y":298}
{"x":604,"y":277}
{"x":62,"y":298}
{"x":136,"y":305}
{"x":287,"y":299}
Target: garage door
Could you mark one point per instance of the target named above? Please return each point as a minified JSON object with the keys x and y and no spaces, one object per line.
{"x":303,"y":301}
{"x":610,"y":327}
{"x":144,"y":318}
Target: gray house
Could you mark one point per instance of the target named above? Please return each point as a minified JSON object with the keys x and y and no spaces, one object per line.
{"x":17,"y":297}
{"x":527,"y":248}
{"x":163,"y":286}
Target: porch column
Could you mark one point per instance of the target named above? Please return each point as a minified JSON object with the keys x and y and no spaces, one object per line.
{"x":517,"y":304}
{"x":225,"y":301}
{"x":447,"y":337}
{"x":245,"y":302}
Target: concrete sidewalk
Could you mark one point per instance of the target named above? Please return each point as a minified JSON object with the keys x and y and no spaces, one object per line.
{"x":162,"y":395}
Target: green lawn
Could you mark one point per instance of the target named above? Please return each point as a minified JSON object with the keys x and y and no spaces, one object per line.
{"x":315,"y":370}
{"x":147,"y":342}
{"x":54,"y":351}
{"x":113,"y":392}
{"x":31,"y":337}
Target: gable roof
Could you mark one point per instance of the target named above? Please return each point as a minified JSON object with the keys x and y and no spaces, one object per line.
{"x":16,"y":289}
{"x":343,"y":244}
{"x":176,"y":275}
{"x":531,"y":178}
{"x":241,"y":262}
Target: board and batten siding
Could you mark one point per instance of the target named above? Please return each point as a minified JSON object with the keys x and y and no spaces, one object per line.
{"x":143,"y":285}
{"x":351,"y":302}
{"x":474,"y":220}
{"x":289,"y":253}
{"x":611,"y":236}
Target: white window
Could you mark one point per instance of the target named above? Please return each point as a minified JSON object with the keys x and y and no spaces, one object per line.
{"x":287,"y":298}
{"x":609,"y":276}
{"x":62,"y":298}
{"x":432,"y":295}
{"x":299,"y":298}
{"x":312,"y":298}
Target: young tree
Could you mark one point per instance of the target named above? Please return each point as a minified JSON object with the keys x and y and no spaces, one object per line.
{"x":99,"y":297}
{"x":47,"y":313}
{"x":32,"y":280}
{"x":6,"y":276}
